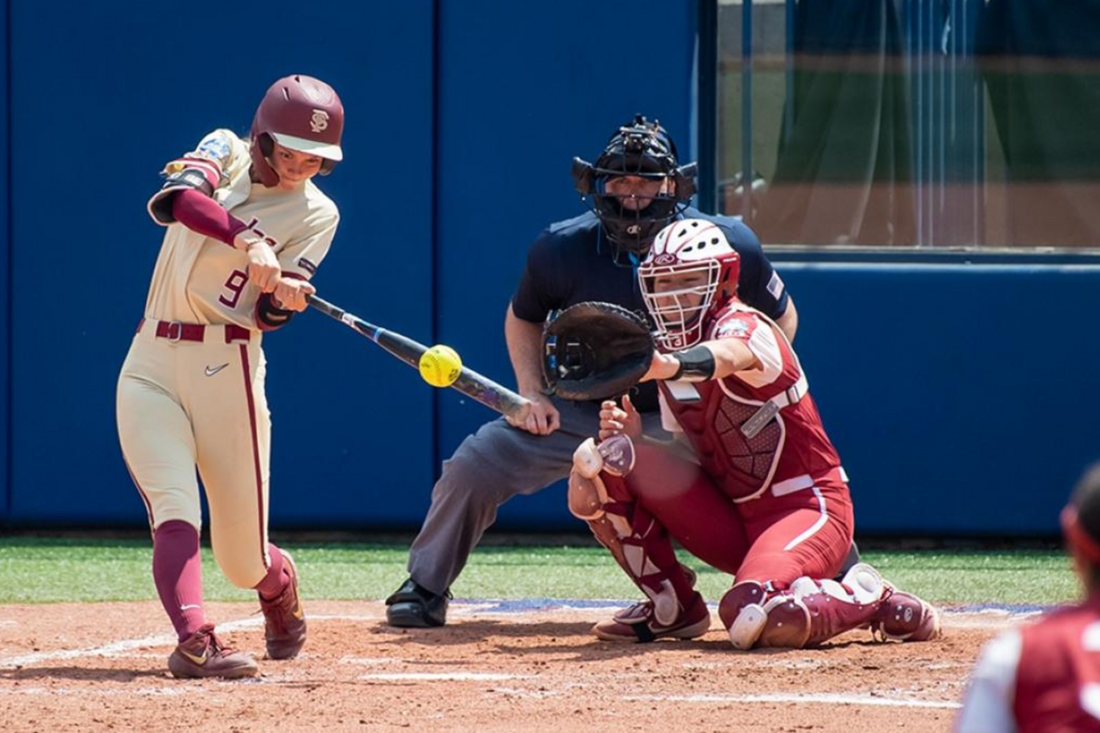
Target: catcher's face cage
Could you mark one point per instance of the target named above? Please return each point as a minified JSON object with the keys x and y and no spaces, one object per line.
{"x":678,"y":311}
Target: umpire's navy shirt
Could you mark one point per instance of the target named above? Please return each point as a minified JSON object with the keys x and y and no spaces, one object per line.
{"x":572,"y":262}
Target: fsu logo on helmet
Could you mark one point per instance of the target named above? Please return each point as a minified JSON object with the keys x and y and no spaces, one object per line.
{"x":664,"y":259}
{"x":319,"y":121}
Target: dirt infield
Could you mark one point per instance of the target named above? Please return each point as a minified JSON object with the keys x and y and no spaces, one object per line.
{"x":498,"y":667}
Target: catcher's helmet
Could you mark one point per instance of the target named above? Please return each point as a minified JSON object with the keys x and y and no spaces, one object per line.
{"x":698,"y":250}
{"x":300,"y":113}
{"x":640,"y":149}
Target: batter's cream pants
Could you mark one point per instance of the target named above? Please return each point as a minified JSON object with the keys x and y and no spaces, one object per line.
{"x":184,"y":404}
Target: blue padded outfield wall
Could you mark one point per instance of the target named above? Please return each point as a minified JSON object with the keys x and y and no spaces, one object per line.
{"x":962,"y":398}
{"x":5,"y":240}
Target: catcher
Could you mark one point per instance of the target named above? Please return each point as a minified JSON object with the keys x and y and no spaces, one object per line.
{"x":752,"y":485}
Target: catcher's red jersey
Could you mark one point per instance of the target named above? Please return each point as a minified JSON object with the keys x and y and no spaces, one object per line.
{"x":757,"y":428}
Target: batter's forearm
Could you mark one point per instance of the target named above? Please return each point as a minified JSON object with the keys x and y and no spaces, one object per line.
{"x":204,"y":215}
{"x":524,"y":341}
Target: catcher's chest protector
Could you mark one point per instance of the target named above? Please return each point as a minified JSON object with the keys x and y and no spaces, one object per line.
{"x":715,"y":426}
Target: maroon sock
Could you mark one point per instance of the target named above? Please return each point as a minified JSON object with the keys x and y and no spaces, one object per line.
{"x":177,"y":572}
{"x":272,"y":585}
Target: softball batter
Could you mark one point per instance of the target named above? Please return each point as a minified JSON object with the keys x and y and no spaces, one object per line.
{"x":246,"y":230}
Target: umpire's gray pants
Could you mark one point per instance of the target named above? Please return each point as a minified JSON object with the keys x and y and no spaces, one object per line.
{"x":489,"y":468}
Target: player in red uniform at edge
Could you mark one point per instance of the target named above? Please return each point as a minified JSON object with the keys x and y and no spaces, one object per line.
{"x":752,"y":485}
{"x":1045,"y":677}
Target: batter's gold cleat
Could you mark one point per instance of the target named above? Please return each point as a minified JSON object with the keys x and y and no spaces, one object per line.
{"x":284,"y":619}
{"x":204,"y":655}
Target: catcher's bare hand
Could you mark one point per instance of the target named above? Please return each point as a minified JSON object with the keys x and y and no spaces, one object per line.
{"x":663,"y":366}
{"x":543,"y":418}
{"x":263,"y":266}
{"x":615,"y":420}
{"x":290,"y":294}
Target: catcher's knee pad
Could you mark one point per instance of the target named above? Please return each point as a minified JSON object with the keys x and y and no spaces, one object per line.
{"x":587,"y":460}
{"x":742,"y":613}
{"x":618,"y":455}
{"x":614,"y":455}
{"x":587,"y":496}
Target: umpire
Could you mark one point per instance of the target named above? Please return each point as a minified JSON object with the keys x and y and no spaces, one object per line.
{"x":635,"y":188}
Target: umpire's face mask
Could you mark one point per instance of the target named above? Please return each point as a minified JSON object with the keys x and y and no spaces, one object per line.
{"x":635,"y":193}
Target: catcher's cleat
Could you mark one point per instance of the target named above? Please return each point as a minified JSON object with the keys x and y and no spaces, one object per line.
{"x":637,"y":623}
{"x":284,"y":619}
{"x":414,"y":606}
{"x":204,"y":655}
{"x":904,"y":617}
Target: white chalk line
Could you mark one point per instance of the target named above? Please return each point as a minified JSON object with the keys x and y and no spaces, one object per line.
{"x":100,"y":692}
{"x":119,"y":648}
{"x":806,"y":698}
{"x":371,"y":661}
{"x":446,"y":677}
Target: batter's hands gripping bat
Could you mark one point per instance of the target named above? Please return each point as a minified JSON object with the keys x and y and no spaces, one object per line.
{"x":469,"y":382}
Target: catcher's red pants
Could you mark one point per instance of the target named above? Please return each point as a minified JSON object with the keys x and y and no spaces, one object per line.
{"x":798,"y":527}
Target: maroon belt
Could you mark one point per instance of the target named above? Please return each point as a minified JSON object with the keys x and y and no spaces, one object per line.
{"x":176,"y":331}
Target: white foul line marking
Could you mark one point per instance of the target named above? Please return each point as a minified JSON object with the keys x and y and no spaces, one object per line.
{"x":445,"y":676}
{"x":824,"y":699}
{"x":115,"y":648}
{"x":106,"y":650}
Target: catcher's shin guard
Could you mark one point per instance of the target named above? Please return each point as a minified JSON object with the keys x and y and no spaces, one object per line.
{"x":598,"y":495}
{"x":814,"y":611}
{"x":904,"y":617}
{"x":742,"y":613}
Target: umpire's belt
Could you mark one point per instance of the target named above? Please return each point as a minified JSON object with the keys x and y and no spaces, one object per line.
{"x":176,"y":331}
{"x":790,"y":396}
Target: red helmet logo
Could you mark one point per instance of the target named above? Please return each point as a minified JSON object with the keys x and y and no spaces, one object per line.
{"x":665,"y":259}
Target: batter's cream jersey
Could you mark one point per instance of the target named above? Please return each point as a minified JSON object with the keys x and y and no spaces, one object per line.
{"x":203,"y":280}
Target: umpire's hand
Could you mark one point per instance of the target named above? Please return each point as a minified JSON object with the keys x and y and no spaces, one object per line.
{"x":543,"y":418}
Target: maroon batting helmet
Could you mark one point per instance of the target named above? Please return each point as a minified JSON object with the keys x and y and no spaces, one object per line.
{"x":300,"y":113}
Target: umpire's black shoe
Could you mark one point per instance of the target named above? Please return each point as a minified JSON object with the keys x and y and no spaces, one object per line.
{"x":414,"y":606}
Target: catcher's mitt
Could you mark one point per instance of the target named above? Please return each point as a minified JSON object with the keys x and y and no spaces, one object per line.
{"x":594,"y":351}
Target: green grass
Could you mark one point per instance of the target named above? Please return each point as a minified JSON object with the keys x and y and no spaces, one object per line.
{"x":47,"y":570}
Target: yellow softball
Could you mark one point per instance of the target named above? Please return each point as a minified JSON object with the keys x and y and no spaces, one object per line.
{"x":440,"y":366}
